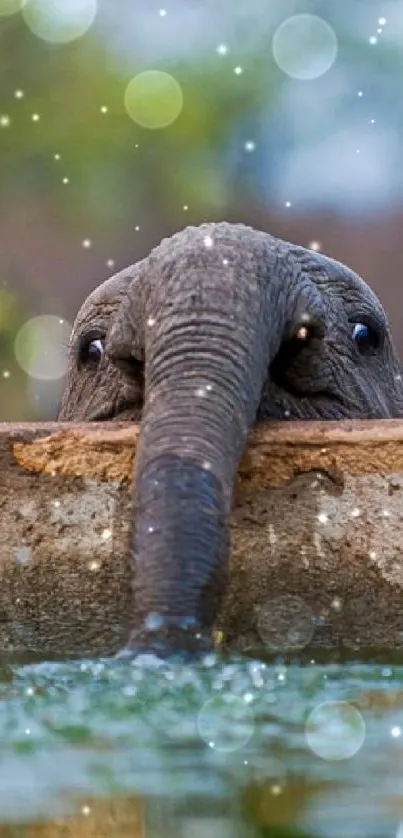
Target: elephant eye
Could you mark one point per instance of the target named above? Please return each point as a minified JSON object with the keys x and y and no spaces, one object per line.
{"x":365,"y":336}
{"x":91,"y":349}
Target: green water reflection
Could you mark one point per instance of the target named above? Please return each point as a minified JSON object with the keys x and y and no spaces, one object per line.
{"x":226,"y":748}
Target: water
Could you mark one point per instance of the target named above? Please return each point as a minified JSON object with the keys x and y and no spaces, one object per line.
{"x":228,"y":748}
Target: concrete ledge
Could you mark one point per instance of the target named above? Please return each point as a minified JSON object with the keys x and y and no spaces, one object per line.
{"x":317,"y":538}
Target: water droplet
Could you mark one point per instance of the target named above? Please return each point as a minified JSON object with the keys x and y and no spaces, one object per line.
{"x":238,"y":70}
{"x":227,"y":722}
{"x":373,"y":40}
{"x":153,"y":99}
{"x":93,"y":565}
{"x":335,"y":730}
{"x":285,"y":623}
{"x":304,"y":46}
{"x":5,"y":121}
{"x":19,"y":94}
{"x":41,"y":347}
{"x":57,"y":21}
{"x":222,"y":49}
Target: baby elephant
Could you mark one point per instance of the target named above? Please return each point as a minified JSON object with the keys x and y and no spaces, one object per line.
{"x":219,"y":327}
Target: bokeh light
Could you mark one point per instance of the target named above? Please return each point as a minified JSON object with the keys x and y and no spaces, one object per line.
{"x":335,"y":730}
{"x":59,"y":21}
{"x":153,"y":99}
{"x":41,"y":347}
{"x":285,"y":623}
{"x":10,"y":7}
{"x":304,"y":46}
{"x":226,"y":722}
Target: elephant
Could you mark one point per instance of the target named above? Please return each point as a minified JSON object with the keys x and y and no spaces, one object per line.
{"x":219,"y":327}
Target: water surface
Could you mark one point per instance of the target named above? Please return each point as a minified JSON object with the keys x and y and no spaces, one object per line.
{"x":228,"y":748}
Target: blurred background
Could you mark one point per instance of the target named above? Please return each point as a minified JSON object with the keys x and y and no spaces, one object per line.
{"x":122,"y":121}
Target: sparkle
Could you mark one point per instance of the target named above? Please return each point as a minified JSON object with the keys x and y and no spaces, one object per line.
{"x":360,"y":93}
{"x":373,"y":40}
{"x":150,"y":529}
{"x":386,"y":513}
{"x":35,"y":117}
{"x":137,"y":228}
{"x":372,"y":122}
{"x":238,"y":70}
{"x":56,"y":156}
{"x":86,"y":243}
{"x":30,"y":691}
{"x":151,"y":321}
{"x":336,"y":604}
{"x":396,"y":731}
{"x":86,"y":810}
{"x":281,"y":676}
{"x":65,"y":180}
{"x":27,"y":731}
{"x":106,"y":534}
{"x":56,"y":503}
{"x":379,"y":31}
{"x":93,"y":565}
{"x":6,"y":374}
{"x":208,"y":241}
{"x":357,"y":151}
{"x":163,"y":12}
{"x":372,"y":555}
{"x":222,"y":49}
{"x":5,"y":121}
{"x":104,"y":109}
{"x":288,"y":203}
{"x":206,"y":465}
{"x":225,"y":261}
{"x":19,"y":94}
{"x":276,"y":789}
{"x":110,"y":263}
{"x":323,"y":518}
{"x":314,"y":245}
{"x":382,"y":21}
{"x":185,"y":207}
{"x":250,"y":145}
{"x":355,"y":513}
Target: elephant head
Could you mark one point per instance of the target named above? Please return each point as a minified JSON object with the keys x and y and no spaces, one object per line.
{"x":219,"y":327}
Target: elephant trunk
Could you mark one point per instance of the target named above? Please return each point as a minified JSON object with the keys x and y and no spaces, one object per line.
{"x":211,"y":334}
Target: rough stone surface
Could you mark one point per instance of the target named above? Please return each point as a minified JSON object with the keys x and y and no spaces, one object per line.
{"x":317,"y":539}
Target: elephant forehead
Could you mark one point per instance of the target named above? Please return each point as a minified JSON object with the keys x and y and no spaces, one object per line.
{"x":105,"y":298}
{"x":336,"y":279}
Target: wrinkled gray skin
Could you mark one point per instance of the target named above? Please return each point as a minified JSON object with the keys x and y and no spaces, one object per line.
{"x":218,"y":327}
